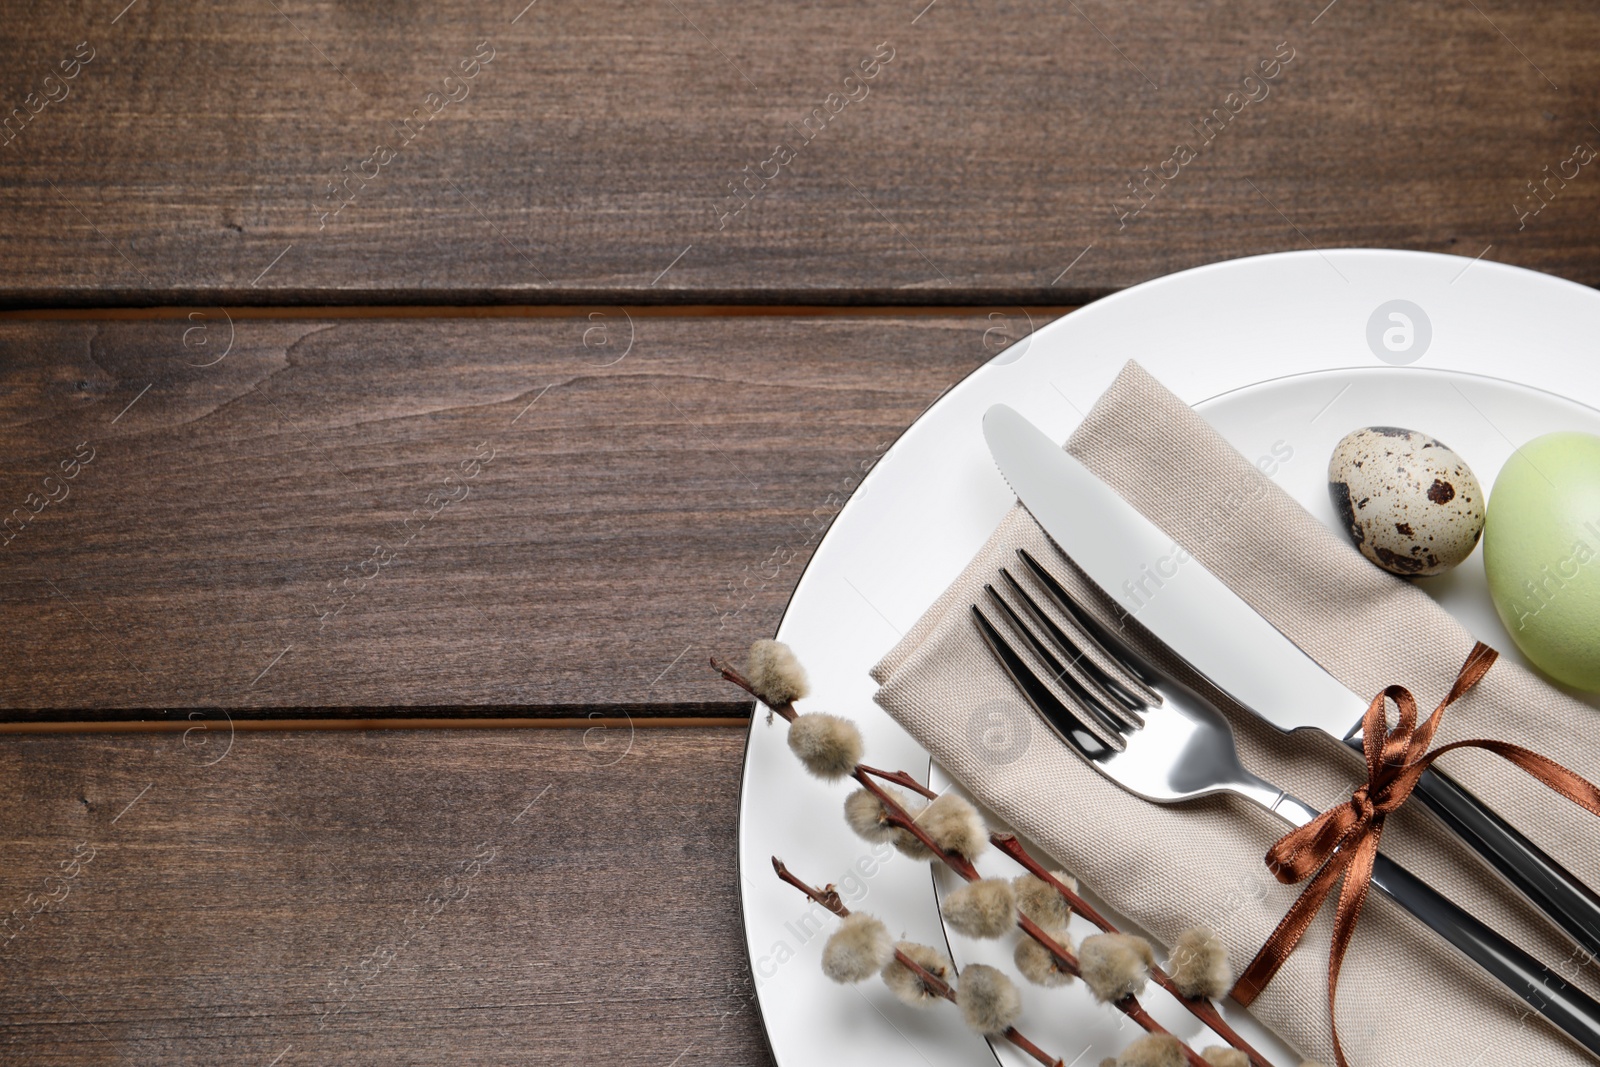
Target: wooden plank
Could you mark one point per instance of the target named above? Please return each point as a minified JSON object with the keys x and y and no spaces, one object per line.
{"x":415,"y":897}
{"x":430,"y":517}
{"x":594,"y":158}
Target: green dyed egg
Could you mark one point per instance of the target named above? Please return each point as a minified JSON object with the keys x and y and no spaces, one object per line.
{"x":1541,"y":549}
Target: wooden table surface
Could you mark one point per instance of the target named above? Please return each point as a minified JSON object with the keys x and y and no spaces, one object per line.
{"x":399,"y":402}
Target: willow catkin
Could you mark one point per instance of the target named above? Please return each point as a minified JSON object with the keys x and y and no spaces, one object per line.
{"x":857,"y":950}
{"x":1198,"y":964}
{"x":1038,"y":964}
{"x":774,"y":673}
{"x":828,"y":746}
{"x":988,"y":1000}
{"x":1153,"y":1050}
{"x":1115,"y":965}
{"x":954,"y":825}
{"x":907,"y":984}
{"x":1041,"y":901}
{"x":986,"y":908}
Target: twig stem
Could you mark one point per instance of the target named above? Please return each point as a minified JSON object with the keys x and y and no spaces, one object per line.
{"x":934,"y":984}
{"x":962,"y":866}
{"x":828,"y":897}
{"x":1137,"y":1013}
{"x":786,"y":709}
{"x":1199,"y":1007}
{"x":902,"y":818}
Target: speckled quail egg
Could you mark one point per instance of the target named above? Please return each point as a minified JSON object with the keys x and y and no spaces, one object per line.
{"x":1410,"y":504}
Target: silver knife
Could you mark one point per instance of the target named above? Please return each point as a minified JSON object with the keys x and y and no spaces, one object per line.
{"x":1224,"y":639}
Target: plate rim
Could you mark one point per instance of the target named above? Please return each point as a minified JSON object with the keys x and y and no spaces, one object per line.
{"x":1384,"y":259}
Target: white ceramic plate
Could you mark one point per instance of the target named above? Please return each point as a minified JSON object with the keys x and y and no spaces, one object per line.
{"x":1292,"y":350}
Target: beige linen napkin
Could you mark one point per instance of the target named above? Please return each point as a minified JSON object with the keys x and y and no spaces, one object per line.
{"x":1406,"y":998}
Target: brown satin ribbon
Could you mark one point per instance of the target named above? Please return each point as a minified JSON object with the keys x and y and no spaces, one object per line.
{"x":1343,"y":841}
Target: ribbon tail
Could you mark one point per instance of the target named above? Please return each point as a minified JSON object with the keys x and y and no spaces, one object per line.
{"x":1547,"y":771}
{"x":1275,"y":953}
{"x":1349,"y":834}
{"x":1352,"y":898}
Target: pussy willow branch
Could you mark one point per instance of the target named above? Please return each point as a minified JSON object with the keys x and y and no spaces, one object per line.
{"x":1199,"y":1007}
{"x":898,"y":816}
{"x":829,"y":899}
{"x":1202,"y":1009}
{"x":902,"y":818}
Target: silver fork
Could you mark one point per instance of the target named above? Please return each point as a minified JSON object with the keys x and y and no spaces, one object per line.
{"x":1162,"y":741}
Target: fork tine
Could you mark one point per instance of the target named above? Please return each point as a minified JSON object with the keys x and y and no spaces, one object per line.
{"x":1050,"y":708}
{"x":1115,"y":648}
{"x":1111,"y":695}
{"x":1042,"y":654}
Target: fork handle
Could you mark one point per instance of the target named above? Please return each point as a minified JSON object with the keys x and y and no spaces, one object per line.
{"x":1568,"y":1007}
{"x":1526,"y":867}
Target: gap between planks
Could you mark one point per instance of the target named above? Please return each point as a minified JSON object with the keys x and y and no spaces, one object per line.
{"x":522,"y":311}
{"x":272,"y":725}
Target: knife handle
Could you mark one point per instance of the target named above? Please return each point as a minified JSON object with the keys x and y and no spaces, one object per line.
{"x":1573,"y":1010}
{"x":1526,"y":867}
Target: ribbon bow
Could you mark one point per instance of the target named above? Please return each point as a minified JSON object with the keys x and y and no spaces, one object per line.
{"x":1343,"y":841}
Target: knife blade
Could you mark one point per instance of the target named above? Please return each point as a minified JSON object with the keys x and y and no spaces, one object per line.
{"x":1228,"y":642}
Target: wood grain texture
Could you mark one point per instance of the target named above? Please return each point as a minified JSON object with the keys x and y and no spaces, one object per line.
{"x":430,"y":517}
{"x":516,"y":897}
{"x":592,"y":158}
